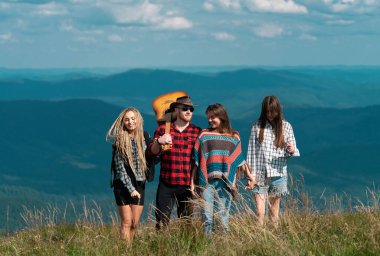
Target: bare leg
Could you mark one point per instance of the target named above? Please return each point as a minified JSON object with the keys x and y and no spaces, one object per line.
{"x":136,"y":214}
{"x":274,"y":209}
{"x":260,"y":207}
{"x":125,"y":212}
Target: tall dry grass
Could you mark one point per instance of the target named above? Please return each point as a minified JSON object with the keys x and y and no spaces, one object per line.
{"x":325,"y":225}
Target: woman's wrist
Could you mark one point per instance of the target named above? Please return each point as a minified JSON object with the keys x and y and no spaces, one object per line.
{"x":251,"y":178}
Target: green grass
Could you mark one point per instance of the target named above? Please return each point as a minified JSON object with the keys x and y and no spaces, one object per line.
{"x":330,"y":229}
{"x":298,"y":234}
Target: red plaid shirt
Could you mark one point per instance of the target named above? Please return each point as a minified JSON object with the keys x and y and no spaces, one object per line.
{"x":177,"y":162}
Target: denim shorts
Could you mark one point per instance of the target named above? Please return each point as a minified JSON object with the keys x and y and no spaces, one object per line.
{"x":273,"y":186}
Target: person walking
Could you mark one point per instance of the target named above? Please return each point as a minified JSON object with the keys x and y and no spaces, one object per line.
{"x":270,"y":144}
{"x":218,"y":155}
{"x":176,"y":163}
{"x":129,"y":168}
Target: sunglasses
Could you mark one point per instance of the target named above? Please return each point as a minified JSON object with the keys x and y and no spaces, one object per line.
{"x":184,"y":109}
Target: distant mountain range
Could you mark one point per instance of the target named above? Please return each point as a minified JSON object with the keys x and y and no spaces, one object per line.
{"x":56,"y":150}
{"x":239,"y":90}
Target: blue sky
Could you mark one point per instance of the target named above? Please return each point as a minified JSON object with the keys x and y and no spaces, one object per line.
{"x":124,"y":33}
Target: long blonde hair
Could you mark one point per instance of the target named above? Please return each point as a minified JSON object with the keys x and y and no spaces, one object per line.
{"x":120,"y":134}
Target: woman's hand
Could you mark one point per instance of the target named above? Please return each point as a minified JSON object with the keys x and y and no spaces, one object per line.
{"x":192,"y":189}
{"x":251,"y":184}
{"x":135,"y":194}
{"x":290,"y":148}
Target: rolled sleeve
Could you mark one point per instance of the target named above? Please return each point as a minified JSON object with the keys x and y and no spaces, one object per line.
{"x":290,"y":139}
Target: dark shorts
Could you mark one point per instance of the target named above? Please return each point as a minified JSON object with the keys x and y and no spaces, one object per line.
{"x":123,"y":197}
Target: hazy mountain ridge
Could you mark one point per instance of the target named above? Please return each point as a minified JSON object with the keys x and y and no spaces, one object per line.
{"x":242,"y":88}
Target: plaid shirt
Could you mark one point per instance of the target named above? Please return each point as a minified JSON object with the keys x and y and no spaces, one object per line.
{"x":121,"y":172}
{"x":176,"y":163}
{"x":265,"y":159}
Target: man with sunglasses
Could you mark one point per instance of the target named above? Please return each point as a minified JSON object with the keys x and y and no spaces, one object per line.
{"x":176,"y":163}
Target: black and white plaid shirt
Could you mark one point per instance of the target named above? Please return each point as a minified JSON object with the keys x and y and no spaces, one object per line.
{"x":120,"y":171}
{"x":265,"y":159}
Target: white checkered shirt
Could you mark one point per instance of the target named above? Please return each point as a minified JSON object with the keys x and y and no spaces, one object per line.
{"x":265,"y":159}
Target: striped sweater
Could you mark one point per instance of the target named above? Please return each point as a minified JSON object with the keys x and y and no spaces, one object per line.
{"x":217,"y":156}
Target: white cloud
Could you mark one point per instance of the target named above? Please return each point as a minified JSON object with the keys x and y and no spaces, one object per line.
{"x":170,"y":13}
{"x":230,"y":4}
{"x":115,"y":38}
{"x":223,"y":36}
{"x":4,"y":6}
{"x":268,"y":30}
{"x":51,"y":9}
{"x":67,"y":26}
{"x":276,"y":6}
{"x":175,"y":23}
{"x":5,"y":37}
{"x":144,"y":13}
{"x":340,"y":22}
{"x":341,"y":6}
{"x":208,"y":6}
{"x":308,"y":37}
{"x":95,"y":32}
{"x":147,"y":14}
{"x":358,"y":6}
{"x":82,"y":1}
{"x":85,"y":39}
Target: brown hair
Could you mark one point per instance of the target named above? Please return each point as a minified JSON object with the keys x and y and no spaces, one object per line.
{"x":272,"y":105}
{"x":219,"y":111}
{"x":120,"y":134}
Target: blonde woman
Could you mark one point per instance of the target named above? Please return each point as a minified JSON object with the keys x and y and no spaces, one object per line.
{"x":129,"y":168}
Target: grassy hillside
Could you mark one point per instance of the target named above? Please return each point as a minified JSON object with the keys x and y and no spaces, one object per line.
{"x":302,"y":231}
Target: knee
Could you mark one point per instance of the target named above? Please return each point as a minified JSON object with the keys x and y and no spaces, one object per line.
{"x":260,"y":215}
{"x":126,"y":224}
{"x":134,"y":225}
{"x":274,"y":209}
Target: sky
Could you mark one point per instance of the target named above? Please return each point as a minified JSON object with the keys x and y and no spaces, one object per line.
{"x":163,"y":33}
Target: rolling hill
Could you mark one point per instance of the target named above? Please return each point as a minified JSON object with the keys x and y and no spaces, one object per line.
{"x":239,"y":90}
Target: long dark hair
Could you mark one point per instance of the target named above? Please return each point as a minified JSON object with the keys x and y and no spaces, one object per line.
{"x":272,"y":105}
{"x":218,"y":110}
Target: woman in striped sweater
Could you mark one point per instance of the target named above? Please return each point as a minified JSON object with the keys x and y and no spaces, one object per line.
{"x":218,"y":155}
